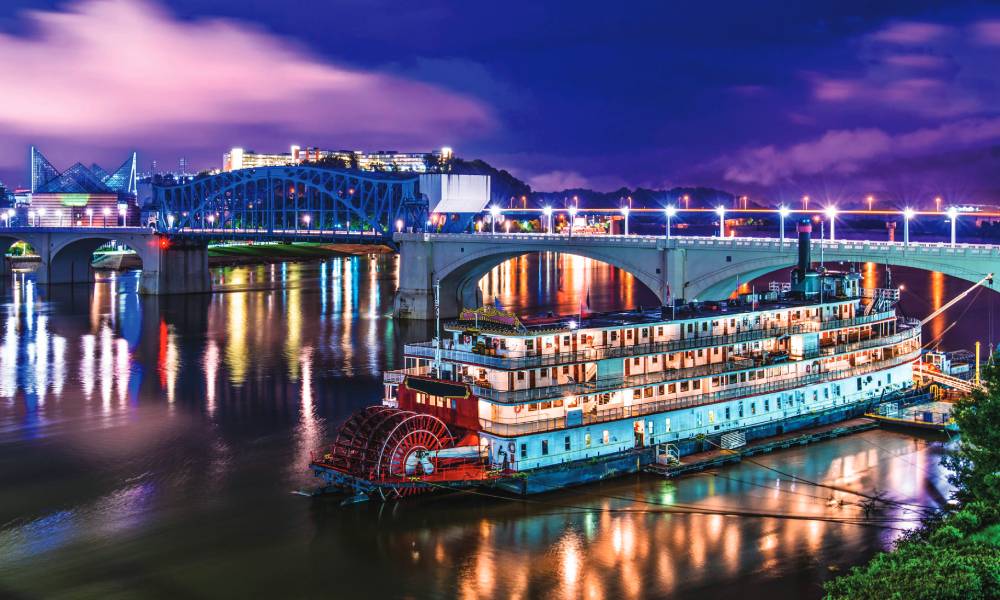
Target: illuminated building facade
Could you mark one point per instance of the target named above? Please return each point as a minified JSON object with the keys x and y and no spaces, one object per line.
{"x":382,"y":160}
{"x":80,"y":195}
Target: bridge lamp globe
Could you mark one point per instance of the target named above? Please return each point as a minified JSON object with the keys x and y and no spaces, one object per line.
{"x":399,"y":225}
{"x":572,"y":218}
{"x":625,"y":212}
{"x":547,"y":211}
{"x":721,"y":211}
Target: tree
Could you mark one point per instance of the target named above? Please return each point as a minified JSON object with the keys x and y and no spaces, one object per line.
{"x":957,"y":555}
{"x":976,"y":464}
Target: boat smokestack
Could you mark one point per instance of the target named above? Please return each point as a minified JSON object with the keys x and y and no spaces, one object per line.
{"x":805,"y":245}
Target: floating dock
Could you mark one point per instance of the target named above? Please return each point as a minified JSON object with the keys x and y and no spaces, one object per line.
{"x":700,"y":461}
{"x":927,"y":416}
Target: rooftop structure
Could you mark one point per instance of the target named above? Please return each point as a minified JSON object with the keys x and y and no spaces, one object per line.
{"x":382,"y":160}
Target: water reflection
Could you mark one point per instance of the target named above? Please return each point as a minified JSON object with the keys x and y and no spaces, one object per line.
{"x":153,"y":432}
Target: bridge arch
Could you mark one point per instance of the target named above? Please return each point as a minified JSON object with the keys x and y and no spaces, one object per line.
{"x":460,"y":278}
{"x":720,"y":283}
{"x":70,"y":259}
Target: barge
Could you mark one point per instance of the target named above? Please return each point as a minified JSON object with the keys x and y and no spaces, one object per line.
{"x":529,"y":405}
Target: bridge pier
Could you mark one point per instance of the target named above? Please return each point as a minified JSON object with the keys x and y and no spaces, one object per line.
{"x":178,"y":267}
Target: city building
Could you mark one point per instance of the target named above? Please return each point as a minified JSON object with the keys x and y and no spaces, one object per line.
{"x":382,"y":160}
{"x":79,"y":196}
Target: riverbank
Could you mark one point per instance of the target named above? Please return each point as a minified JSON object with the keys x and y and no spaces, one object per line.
{"x":226,"y":256}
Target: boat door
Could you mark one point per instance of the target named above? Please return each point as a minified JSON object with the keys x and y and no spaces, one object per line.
{"x":640,"y":434}
{"x":531,"y":378}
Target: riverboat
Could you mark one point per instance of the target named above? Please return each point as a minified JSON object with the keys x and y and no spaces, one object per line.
{"x":530,"y":405}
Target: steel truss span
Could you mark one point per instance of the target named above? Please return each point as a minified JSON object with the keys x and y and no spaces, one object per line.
{"x":290,"y":202}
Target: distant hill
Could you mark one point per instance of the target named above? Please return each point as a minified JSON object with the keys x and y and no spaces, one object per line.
{"x":506,"y":189}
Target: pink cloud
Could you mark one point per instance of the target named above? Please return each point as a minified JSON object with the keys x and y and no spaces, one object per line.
{"x":556,"y":181}
{"x":846,"y":152}
{"x":910,"y":33}
{"x":124,"y":70}
{"x":987,"y":32}
{"x":916,"y":61}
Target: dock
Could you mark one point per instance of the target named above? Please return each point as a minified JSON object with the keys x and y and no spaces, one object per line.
{"x":700,"y":461}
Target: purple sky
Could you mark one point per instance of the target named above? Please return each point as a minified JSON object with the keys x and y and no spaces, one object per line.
{"x":773,"y":99}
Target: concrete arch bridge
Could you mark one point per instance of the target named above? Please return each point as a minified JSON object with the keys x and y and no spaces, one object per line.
{"x":168,"y":265}
{"x":689,"y":268}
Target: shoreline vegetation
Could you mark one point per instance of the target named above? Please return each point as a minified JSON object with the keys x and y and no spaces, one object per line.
{"x":955,"y":554}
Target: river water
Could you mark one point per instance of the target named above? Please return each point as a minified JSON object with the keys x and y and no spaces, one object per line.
{"x":149,"y":448}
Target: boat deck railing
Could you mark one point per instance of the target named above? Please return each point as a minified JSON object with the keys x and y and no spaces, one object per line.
{"x":669,"y":375}
{"x":636,"y":410}
{"x":522,"y":360}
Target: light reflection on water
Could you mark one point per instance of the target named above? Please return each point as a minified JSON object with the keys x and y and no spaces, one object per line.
{"x":162,"y":436}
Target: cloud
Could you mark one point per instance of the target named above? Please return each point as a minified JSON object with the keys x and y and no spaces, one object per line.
{"x":126,"y":70}
{"x":987,"y":32}
{"x":847,"y":152}
{"x":911,"y":33}
{"x":556,"y":181}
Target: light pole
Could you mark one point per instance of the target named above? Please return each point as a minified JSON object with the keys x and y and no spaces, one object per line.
{"x":937,"y":203}
{"x":307,"y":218}
{"x":105,"y":212}
{"x":805,"y":202}
{"x":625,"y":211}
{"x":90,"y":217}
{"x":687,"y":202}
{"x":59,"y":215}
{"x":572,"y":219}
{"x":670,"y":211}
{"x":783,"y":213}
{"x":121,"y":211}
{"x":908,"y":213}
{"x":831,"y":214}
{"x":953,"y":215}
{"x":31,"y":219}
{"x":871,"y":201}
{"x":211,"y":221}
{"x":170,"y":221}
{"x":41,"y":216}
{"x":547,"y":211}
{"x":721,"y":211}
{"x":494,"y":215}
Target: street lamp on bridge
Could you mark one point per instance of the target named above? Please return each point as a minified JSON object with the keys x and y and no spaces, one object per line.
{"x":871,"y":202}
{"x":625,"y":211}
{"x":59,"y":215}
{"x":105,"y":212}
{"x":783,"y":212}
{"x":831,"y":214}
{"x":805,"y":202}
{"x":306,"y":219}
{"x":90,"y":217}
{"x":953,"y":216}
{"x":670,"y":211}
{"x":41,"y":215}
{"x":547,"y":211}
{"x":721,"y":211}
{"x":170,"y":221}
{"x":572,"y":219}
{"x":494,"y":215}
{"x":908,"y":214}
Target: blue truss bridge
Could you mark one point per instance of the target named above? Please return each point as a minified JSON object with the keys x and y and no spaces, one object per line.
{"x":293,"y":203}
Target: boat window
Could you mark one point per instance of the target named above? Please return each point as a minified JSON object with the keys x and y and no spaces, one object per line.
{"x":567,"y":443}
{"x":605,"y":437}
{"x":545,"y":447}
{"x":636,"y":394}
{"x":668,"y":425}
{"x":586,"y":440}
{"x":524,"y":450}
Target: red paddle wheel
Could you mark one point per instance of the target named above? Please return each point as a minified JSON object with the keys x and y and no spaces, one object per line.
{"x":388,"y":447}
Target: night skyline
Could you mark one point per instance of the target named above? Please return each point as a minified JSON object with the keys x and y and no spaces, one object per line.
{"x":775,"y":101}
